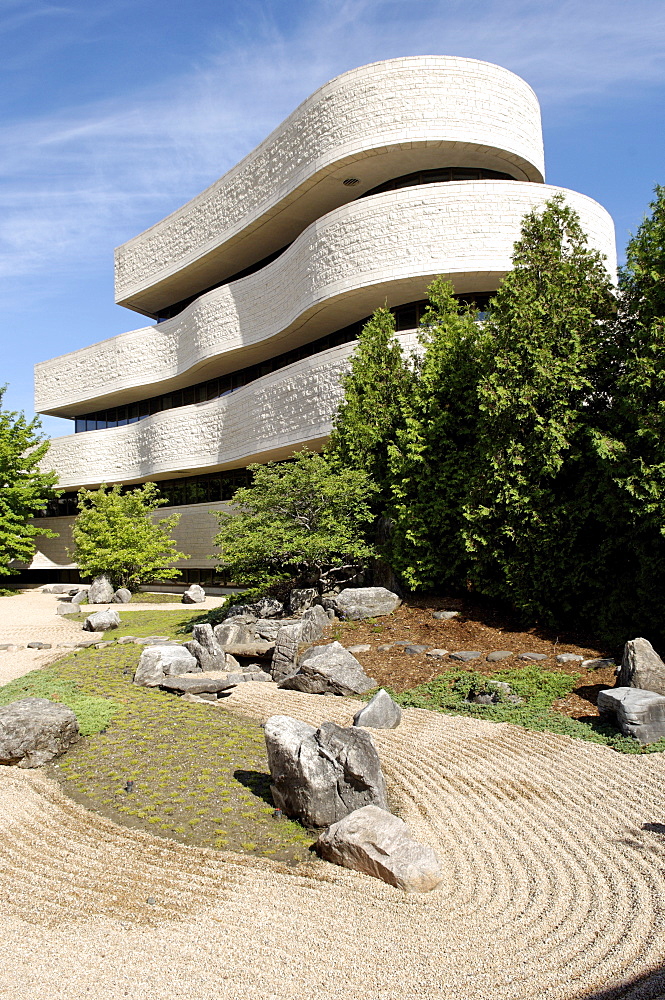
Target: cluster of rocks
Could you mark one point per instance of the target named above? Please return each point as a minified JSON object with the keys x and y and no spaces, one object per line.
{"x":331,"y":777}
{"x":638,"y":700}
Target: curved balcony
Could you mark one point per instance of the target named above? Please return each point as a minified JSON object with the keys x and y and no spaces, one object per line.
{"x":385,"y":248}
{"x":261,"y":422}
{"x":371,"y":124}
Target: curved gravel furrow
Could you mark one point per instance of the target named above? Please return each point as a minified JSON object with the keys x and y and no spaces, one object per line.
{"x":554,"y":886}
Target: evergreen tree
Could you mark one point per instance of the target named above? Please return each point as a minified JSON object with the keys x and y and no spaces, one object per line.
{"x":114,"y":533}
{"x":25,"y":489}
{"x":376,"y":392}
{"x":542,"y":403}
{"x":432,"y":466}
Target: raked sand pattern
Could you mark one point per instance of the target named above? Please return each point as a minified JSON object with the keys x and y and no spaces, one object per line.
{"x":554,"y":851}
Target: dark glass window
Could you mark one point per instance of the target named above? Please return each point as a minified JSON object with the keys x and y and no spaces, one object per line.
{"x":437,"y":176}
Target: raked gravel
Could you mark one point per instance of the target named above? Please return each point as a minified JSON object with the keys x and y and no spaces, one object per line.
{"x":554,"y":853}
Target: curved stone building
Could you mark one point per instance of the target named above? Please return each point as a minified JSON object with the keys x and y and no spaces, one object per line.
{"x":257,"y":288}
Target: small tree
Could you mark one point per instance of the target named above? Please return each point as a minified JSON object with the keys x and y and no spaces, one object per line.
{"x":24,"y":488}
{"x":115,"y":534}
{"x":298,"y":520}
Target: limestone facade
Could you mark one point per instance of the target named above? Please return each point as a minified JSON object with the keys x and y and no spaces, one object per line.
{"x":322,"y":249}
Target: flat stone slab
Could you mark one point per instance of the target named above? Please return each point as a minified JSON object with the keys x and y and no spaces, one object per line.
{"x":195,"y":684}
{"x":466,"y":654}
{"x":444,"y":616}
{"x":498,"y":654}
{"x":415,"y":650}
{"x":39,"y":645}
{"x":639,"y":713}
{"x":251,"y":650}
{"x":570,"y":658}
{"x":532,"y":657}
{"x":437,"y":654}
{"x":362,"y":647}
{"x":599,"y":663}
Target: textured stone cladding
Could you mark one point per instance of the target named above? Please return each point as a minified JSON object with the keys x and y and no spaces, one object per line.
{"x":266,"y":419}
{"x":388,"y":246}
{"x":453,"y":102}
{"x":193,"y":534}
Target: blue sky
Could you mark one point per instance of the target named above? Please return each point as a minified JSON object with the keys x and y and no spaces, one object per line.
{"x":115,"y":112}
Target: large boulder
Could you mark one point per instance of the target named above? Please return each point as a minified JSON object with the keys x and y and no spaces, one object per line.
{"x":194,"y":595}
{"x":247,"y":611}
{"x":205,"y":647}
{"x":355,"y":603}
{"x":102,"y":621}
{"x":268,"y":607}
{"x":300,"y":599}
{"x":232,"y":634}
{"x":379,"y":713}
{"x":158,"y":662}
{"x":79,"y":598}
{"x":640,"y":714}
{"x":642,"y":667}
{"x":372,"y":841}
{"x":315,"y":621}
{"x":35,"y":730}
{"x":329,"y":669}
{"x":267,"y":628}
{"x":320,"y":775}
{"x":101,"y":590}
{"x":122,"y":596}
{"x":285,"y":656}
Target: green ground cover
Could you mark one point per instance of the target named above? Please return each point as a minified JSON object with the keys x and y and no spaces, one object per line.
{"x":174,"y":624}
{"x":537,"y":686}
{"x":187,"y":771}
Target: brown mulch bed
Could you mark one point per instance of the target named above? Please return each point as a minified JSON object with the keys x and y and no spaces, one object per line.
{"x":478,"y":627}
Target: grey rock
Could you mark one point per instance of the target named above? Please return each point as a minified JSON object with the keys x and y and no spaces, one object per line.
{"x":39,"y":645}
{"x":196,"y":684}
{"x":413,"y":650}
{"x":498,"y":654}
{"x":126,"y":639}
{"x":569,"y":658}
{"x":639,"y":713}
{"x":501,"y":686}
{"x":379,"y":713}
{"x":372,"y":841}
{"x":444,"y":616}
{"x":232,"y":633}
{"x":483,"y":699}
{"x":642,"y":667}
{"x":122,"y":596}
{"x":247,"y":611}
{"x":251,"y":650}
{"x":532,"y":657}
{"x":34,"y":731}
{"x":300,"y":599}
{"x":267,"y":628}
{"x":321,"y":775}
{"x":81,"y":597}
{"x":60,"y":588}
{"x":385,"y":647}
{"x":268,"y":607}
{"x":315,"y":621}
{"x":194,"y":595}
{"x":90,"y":641}
{"x":101,"y":590}
{"x":362,"y":647}
{"x":104,"y":644}
{"x":356,"y":603}
{"x":599,"y":663}
{"x":157,"y":662}
{"x":465,"y":655}
{"x":152,"y":640}
{"x":102,"y":621}
{"x":285,"y":656}
{"x":66,"y":609}
{"x":437,"y":654}
{"x":205,"y":647}
{"x":329,"y":669}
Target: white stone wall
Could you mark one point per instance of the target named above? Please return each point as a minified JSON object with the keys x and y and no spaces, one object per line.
{"x":386,"y":247}
{"x":467,"y":111}
{"x":265,"y":420}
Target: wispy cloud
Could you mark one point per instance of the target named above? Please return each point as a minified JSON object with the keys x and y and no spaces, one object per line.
{"x":76,"y":182}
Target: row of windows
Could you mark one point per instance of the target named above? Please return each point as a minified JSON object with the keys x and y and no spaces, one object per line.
{"x":437,"y":176}
{"x":208,"y":488}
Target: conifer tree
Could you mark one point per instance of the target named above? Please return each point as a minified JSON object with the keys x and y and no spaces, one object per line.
{"x":374,"y":407}
{"x":24,"y":488}
{"x":542,"y":403}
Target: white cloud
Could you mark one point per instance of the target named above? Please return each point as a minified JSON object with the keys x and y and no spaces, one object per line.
{"x":77,"y":182}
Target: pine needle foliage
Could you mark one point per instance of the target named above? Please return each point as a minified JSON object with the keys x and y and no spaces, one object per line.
{"x":24,"y":488}
{"x":300,"y":520}
{"x":115,"y":534}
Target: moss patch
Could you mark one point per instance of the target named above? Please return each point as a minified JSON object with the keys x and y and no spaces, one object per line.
{"x":537,"y":686}
{"x":187,"y":771}
{"x":174,"y":624}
